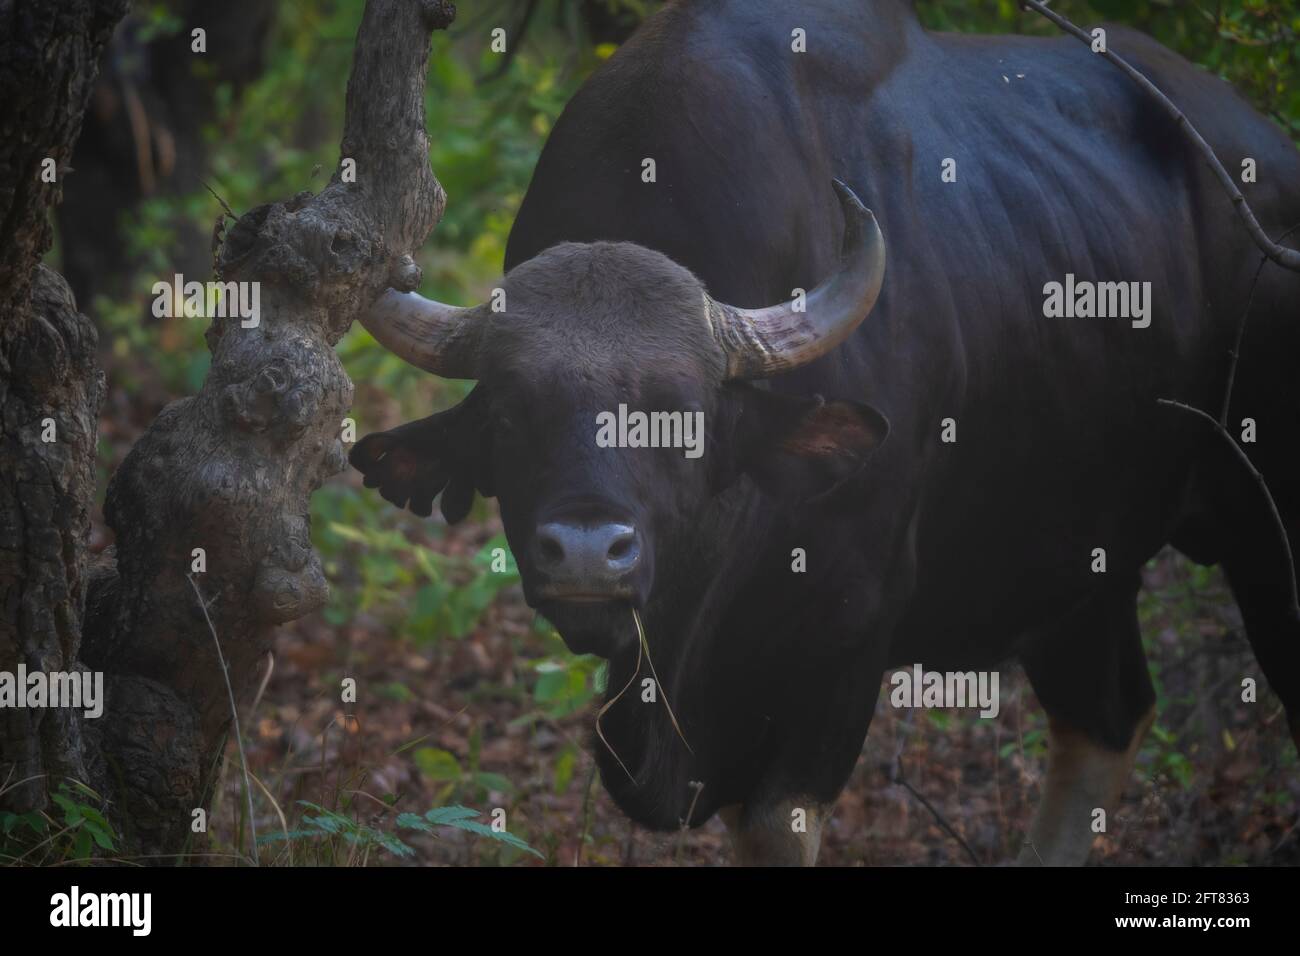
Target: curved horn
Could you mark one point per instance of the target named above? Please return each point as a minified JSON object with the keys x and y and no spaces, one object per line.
{"x":442,"y":339}
{"x":762,"y":342}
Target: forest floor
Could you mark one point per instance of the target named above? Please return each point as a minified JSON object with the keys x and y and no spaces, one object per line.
{"x":460,"y":721}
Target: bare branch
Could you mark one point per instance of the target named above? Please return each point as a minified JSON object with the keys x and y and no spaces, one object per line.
{"x":1235,"y":354}
{"x":895,"y":774}
{"x":384,"y":126}
{"x":1259,"y":479}
{"x":1283,"y":256}
{"x":1287,"y":258}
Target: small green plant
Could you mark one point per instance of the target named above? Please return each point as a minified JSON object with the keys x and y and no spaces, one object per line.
{"x":1167,"y":758}
{"x":451,"y":592}
{"x":468,"y":782}
{"x":461,"y":818}
{"x":68,"y":831}
{"x":565,"y":685}
{"x":331,"y":827}
{"x":1033,"y":743}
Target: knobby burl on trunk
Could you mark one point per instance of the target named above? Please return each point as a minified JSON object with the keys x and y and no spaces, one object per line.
{"x":231,"y":469}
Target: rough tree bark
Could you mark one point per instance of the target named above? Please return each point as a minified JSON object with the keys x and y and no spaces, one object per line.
{"x":230,"y":470}
{"x":48,"y":374}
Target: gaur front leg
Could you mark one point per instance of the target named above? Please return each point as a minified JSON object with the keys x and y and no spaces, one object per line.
{"x":781,"y":833}
{"x":1091,"y":677}
{"x":1082,"y":778}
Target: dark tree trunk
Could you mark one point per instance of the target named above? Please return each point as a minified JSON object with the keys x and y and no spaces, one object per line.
{"x":143,"y":136}
{"x":48,"y":373}
{"x":229,"y":470}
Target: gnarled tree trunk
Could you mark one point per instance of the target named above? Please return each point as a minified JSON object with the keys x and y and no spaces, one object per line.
{"x":229,"y":470}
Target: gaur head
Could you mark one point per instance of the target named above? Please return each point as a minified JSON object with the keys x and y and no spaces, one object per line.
{"x":585,"y":329}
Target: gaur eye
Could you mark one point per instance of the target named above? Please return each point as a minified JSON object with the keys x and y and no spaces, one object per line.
{"x":503,"y":424}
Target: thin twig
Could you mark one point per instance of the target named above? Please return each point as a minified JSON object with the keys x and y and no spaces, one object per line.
{"x":229,"y":212}
{"x":938,"y":817}
{"x":663,"y":692}
{"x":234,"y":714}
{"x":1030,"y":844}
{"x":284,"y":823}
{"x":266,"y":679}
{"x":509,"y":56}
{"x":7,"y":786}
{"x":1236,"y":345}
{"x":586,"y":815}
{"x":1263,"y":486}
{"x":1287,"y":258}
{"x":1241,"y":333}
{"x":608,"y":704}
{"x":896,"y":776}
{"x":685,"y":828}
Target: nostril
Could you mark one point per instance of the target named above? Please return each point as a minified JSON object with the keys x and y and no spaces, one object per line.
{"x":623,"y":551}
{"x":622,"y":547}
{"x":549,"y":550}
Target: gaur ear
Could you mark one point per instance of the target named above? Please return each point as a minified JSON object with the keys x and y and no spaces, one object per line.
{"x":800,"y":447}
{"x":443,"y":453}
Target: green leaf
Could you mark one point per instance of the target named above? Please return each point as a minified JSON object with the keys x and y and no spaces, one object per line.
{"x":81,"y":845}
{"x":396,"y":690}
{"x":329,"y":823}
{"x":564,"y":767}
{"x":104,"y":839}
{"x":393,"y":845}
{"x":501,"y":836}
{"x":412,"y":821}
{"x":65,"y":803}
{"x":550,"y":687}
{"x":437,"y":765}
{"x":445,"y":816}
{"x":493,"y":781}
{"x":95,"y":817}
